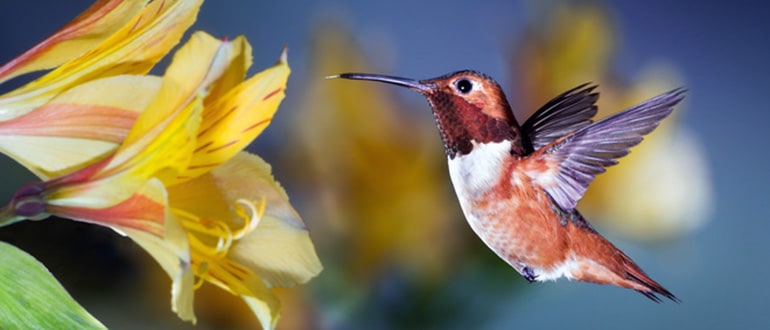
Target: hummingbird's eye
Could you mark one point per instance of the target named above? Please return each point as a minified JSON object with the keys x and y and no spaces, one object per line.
{"x":464,"y":86}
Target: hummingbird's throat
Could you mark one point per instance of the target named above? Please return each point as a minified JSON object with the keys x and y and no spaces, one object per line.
{"x":460,"y":123}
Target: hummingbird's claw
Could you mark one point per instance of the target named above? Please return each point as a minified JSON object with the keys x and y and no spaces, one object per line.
{"x":529,"y":274}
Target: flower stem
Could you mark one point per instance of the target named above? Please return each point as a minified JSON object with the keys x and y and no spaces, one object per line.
{"x":8,"y":216}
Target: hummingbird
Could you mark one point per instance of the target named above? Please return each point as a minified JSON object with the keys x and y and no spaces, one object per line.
{"x":518,"y":185}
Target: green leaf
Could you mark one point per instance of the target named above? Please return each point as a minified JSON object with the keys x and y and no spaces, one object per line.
{"x":31,"y":298}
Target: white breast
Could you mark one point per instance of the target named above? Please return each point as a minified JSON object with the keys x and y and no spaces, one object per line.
{"x":473,"y":176}
{"x":476,"y":172}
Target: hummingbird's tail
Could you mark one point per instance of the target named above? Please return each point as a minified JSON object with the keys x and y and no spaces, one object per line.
{"x":599,"y":261}
{"x":650,"y":288}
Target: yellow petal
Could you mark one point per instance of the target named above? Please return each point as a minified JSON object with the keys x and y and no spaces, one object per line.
{"x":172,"y":252}
{"x":240,"y":281}
{"x":174,"y":259}
{"x":162,"y":152}
{"x":201,"y":197}
{"x":81,"y":34}
{"x":267,"y":311}
{"x":133,"y":49}
{"x":196,"y":65}
{"x":145,"y":218}
{"x":235,"y":73}
{"x":238,"y":117}
{"x":48,"y":157}
{"x":162,"y":139}
{"x":279,"y":250}
{"x":77,"y":127}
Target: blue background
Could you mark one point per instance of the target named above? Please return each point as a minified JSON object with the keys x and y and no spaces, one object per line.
{"x":719,"y":48}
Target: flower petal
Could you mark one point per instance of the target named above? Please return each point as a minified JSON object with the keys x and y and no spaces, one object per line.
{"x":201,"y":197}
{"x":236,"y":70}
{"x":279,"y":250}
{"x":77,"y":127}
{"x":162,"y":150}
{"x":171,"y":250}
{"x":162,"y":139}
{"x":81,"y":34}
{"x":175,"y":260}
{"x":143,"y":210}
{"x":241,"y":281}
{"x":232,"y":123}
{"x":133,"y":49}
{"x":267,"y":311}
{"x":195,"y":66}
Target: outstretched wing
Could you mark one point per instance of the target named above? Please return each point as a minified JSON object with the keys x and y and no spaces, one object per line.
{"x":580,"y":156}
{"x":564,"y":114}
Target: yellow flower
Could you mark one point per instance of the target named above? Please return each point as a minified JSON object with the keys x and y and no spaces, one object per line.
{"x":381,"y":187}
{"x":180,"y":186}
{"x":80,"y":111}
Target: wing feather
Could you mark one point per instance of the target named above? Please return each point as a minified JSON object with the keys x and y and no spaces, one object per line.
{"x":587,"y":151}
{"x":562,"y":115}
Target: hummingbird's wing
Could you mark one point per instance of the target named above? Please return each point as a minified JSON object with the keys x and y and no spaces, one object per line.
{"x":580,"y":156}
{"x":564,"y":114}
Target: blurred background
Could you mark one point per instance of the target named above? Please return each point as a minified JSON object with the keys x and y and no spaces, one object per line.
{"x":363,"y":164}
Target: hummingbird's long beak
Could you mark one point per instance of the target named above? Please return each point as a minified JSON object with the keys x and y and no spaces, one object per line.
{"x":410,"y":83}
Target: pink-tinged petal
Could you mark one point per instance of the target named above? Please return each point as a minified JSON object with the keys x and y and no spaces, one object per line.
{"x":162,"y":152}
{"x":171,"y":250}
{"x":134,"y":49}
{"x":78,"y":177}
{"x":95,"y":122}
{"x":162,"y":139}
{"x":79,"y":126}
{"x":145,"y":210}
{"x":146,"y":219}
{"x":81,"y":34}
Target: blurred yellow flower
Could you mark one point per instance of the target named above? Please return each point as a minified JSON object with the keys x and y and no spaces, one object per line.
{"x":382,"y":185}
{"x":180,"y":186}
{"x":79,"y":112}
{"x":660,"y":190}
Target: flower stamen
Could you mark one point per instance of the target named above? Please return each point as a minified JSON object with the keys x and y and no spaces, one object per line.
{"x":207,"y":227}
{"x":201,"y":273}
{"x":214,"y":237}
{"x":251,"y":220}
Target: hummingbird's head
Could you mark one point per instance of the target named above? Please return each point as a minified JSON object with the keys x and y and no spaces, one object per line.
{"x":469,"y":107}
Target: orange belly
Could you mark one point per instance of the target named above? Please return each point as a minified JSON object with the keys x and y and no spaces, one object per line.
{"x":518,"y":223}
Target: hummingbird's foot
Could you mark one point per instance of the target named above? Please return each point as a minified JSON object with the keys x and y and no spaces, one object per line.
{"x":529,"y":274}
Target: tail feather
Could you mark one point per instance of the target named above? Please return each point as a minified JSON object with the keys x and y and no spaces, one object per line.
{"x":653,"y":288}
{"x":602,"y":262}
